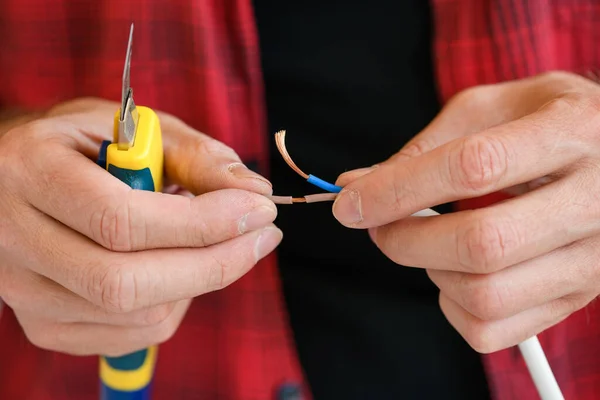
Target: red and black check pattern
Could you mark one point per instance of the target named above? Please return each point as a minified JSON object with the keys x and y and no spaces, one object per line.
{"x":199,"y":60}
{"x":487,"y":41}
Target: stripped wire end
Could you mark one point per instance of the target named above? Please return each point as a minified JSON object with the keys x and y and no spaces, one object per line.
{"x":318,"y":182}
{"x":287,"y":199}
{"x":312,"y":198}
{"x":280,"y":142}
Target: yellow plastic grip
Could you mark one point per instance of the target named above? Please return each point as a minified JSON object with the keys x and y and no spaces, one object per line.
{"x":147,"y":150}
{"x":132,"y":380}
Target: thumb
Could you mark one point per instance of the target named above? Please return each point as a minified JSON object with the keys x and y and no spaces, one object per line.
{"x":202,"y":164}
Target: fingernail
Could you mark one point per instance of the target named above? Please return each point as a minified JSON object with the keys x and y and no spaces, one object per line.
{"x":239,"y":170}
{"x":268,"y":240}
{"x":347,"y":207}
{"x":256,"y":219}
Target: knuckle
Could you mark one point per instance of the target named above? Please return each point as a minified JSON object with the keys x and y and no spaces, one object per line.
{"x":468,"y":95}
{"x":555,"y":76}
{"x":482,"y":245}
{"x":201,"y":233}
{"x":215,"y":279}
{"x":38,"y":134}
{"x":11,"y":290}
{"x":78,"y":105}
{"x":480,"y":336}
{"x":475,"y":97}
{"x":7,"y":152}
{"x":566,"y":81}
{"x":569,"y":304}
{"x":199,"y":227}
{"x":157,"y":315}
{"x":483,"y":299}
{"x":582,"y":104}
{"x":568,"y":101}
{"x":404,"y":196}
{"x":387,"y":241}
{"x":114,"y":289}
{"x":40,"y":340}
{"x":223,"y":270}
{"x":34,"y":131}
{"x":23,"y":147}
{"x":6,"y":165}
{"x":11,"y":297}
{"x":590,"y":110}
{"x":417,"y":148}
{"x":480,"y":162}
{"x":111,"y":226}
{"x":6,"y":288}
{"x":213,"y":147}
{"x":41,"y":336}
{"x":165,"y":331}
{"x":23,"y":140}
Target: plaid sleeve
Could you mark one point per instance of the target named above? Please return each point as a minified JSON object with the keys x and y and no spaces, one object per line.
{"x":488,"y":41}
{"x":199,"y":61}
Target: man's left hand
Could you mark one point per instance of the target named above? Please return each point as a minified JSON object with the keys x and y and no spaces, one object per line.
{"x":508,"y":271}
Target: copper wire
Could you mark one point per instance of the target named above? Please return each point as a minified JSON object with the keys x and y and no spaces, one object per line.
{"x":311,"y":198}
{"x":280,"y":142}
{"x":287,"y":199}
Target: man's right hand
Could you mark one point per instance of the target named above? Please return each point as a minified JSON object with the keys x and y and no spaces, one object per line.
{"x":90,"y":266}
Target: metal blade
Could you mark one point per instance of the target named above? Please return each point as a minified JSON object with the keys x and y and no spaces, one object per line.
{"x":126,"y":89}
{"x":129,"y":115}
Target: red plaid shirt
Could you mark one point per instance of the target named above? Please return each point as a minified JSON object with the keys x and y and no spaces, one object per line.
{"x":199,"y":60}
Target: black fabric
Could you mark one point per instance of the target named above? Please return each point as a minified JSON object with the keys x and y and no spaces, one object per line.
{"x":351,"y":82}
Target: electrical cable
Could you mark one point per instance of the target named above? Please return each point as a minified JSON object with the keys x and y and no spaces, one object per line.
{"x":532,"y":352}
{"x":318,"y":182}
{"x":540,"y":370}
{"x":531,"y":349}
{"x":310,"y":198}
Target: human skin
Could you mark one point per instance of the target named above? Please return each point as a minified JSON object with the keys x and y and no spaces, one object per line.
{"x":90,"y":266}
{"x":508,"y":271}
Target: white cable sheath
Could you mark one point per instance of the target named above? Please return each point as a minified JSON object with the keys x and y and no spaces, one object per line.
{"x":531,"y":349}
{"x":532,"y":352}
{"x":540,"y":370}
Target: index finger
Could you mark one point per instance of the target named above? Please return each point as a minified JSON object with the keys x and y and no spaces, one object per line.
{"x":126,"y":282}
{"x":64,"y":184}
{"x":497,"y":158}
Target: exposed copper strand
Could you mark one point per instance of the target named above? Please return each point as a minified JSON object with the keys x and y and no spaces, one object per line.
{"x":311,"y":198}
{"x":280,"y":142}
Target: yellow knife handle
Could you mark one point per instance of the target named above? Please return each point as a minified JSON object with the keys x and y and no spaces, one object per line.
{"x":141,"y":167}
